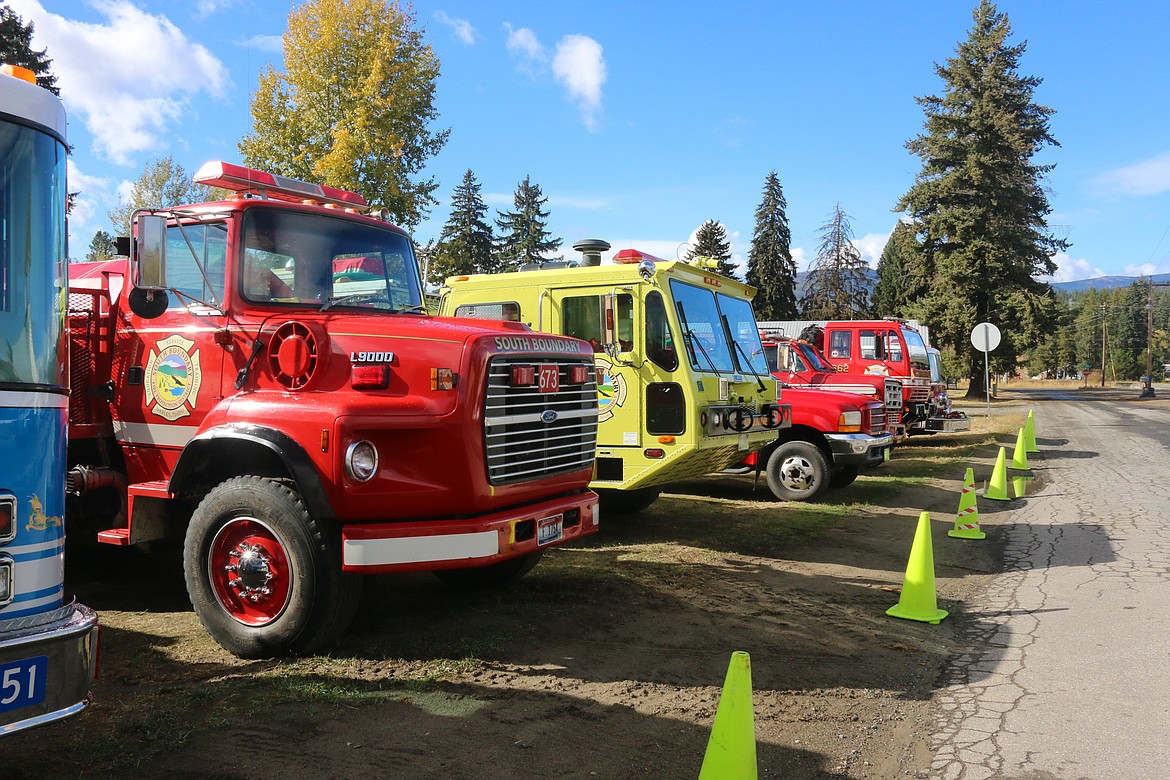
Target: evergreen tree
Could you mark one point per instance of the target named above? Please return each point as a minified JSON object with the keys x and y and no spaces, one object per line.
{"x":711,"y":241}
{"x":101,"y":247}
{"x":837,"y":286}
{"x":16,"y":49}
{"x":770,"y":267}
{"x":163,"y":183}
{"x":978,"y":201}
{"x":896,"y":290}
{"x":524,"y":236}
{"x":466,"y":243}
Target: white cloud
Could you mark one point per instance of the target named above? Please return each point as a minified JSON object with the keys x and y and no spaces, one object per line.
{"x":205,"y":8}
{"x":462,"y":28}
{"x":571,"y":202}
{"x":580,"y":67}
{"x":1147,"y":269}
{"x":871,"y":246}
{"x":522,"y":43}
{"x":800,"y":259}
{"x":129,"y":78}
{"x":1148,"y":177}
{"x":1070,"y":269}
{"x":269,"y":43}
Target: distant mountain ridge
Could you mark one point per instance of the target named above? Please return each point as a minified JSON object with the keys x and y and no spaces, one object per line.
{"x":1080,"y":285}
{"x":1105,"y":282}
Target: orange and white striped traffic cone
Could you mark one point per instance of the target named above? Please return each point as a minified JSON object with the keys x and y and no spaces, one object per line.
{"x":967,"y":519}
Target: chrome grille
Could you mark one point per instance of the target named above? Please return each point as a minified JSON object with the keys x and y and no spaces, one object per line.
{"x":520,"y":445}
{"x":877,"y":419}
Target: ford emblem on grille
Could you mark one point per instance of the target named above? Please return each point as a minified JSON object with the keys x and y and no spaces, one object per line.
{"x":549,"y":416}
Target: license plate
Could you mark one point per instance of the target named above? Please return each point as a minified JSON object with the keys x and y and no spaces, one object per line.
{"x":23,"y":683}
{"x":549,"y":529}
{"x":550,"y":379}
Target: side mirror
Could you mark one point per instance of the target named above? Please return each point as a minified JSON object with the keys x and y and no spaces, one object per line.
{"x":151,"y":254}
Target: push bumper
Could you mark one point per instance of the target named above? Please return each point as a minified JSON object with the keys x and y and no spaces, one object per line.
{"x":51,"y":658}
{"x":378,"y":548}
{"x":859,"y":449}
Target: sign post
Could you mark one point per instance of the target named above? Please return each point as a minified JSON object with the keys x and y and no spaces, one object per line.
{"x":985,"y":337}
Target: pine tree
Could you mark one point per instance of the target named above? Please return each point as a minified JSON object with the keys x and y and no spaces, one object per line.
{"x":770,"y":267}
{"x":978,"y":201}
{"x":466,"y":243}
{"x":837,"y":286}
{"x":101,"y":247}
{"x":896,"y":291}
{"x":524,"y":236}
{"x":16,"y":49}
{"x":711,"y":241}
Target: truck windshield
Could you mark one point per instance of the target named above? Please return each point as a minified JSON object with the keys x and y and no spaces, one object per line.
{"x":745,"y":332}
{"x":814,"y":359}
{"x":32,"y":257}
{"x":294,"y":258}
{"x":702,"y":331}
{"x":916,"y":347}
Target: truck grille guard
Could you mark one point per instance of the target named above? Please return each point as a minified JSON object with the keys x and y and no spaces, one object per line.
{"x":530,"y":435}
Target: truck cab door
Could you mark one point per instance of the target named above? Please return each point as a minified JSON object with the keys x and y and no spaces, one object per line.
{"x":591,"y":314}
{"x":167,"y":369}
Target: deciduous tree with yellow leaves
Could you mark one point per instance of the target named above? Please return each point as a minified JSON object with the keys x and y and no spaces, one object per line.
{"x":354,"y":107}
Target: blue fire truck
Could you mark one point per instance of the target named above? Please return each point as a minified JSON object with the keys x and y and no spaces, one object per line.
{"x":48,"y":645}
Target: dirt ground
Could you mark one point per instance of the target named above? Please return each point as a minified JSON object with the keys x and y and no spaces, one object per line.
{"x":607,"y":661}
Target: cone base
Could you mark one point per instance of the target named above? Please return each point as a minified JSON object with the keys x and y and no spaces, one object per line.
{"x":934,"y":618}
{"x":1012,"y":467}
{"x":997,"y":496}
{"x":964,"y":534}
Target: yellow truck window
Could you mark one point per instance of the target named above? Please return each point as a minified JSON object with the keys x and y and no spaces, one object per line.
{"x":489,"y":311}
{"x":583,"y":316}
{"x":659,"y":344}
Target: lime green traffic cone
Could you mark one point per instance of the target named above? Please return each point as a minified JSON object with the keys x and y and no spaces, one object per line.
{"x":918,"y":601}
{"x":967,"y":519}
{"x":1020,"y":456}
{"x":731,"y":749}
{"x":1020,"y":486}
{"x":1030,"y":435}
{"x":997,"y":485}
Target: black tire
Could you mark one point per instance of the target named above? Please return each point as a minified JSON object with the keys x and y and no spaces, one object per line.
{"x":797,"y":471}
{"x":264,"y":578}
{"x":627,"y":502}
{"x":843,"y":476}
{"x":493,"y":575}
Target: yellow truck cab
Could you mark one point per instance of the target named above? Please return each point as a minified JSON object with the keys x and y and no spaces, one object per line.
{"x":683,"y":386}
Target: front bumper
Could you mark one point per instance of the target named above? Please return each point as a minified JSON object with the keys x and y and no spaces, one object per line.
{"x":426,"y":545}
{"x":57,"y":653}
{"x":859,"y":449}
{"x":948,"y":424}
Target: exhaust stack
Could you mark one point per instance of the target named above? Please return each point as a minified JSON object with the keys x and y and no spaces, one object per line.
{"x":591,"y":249}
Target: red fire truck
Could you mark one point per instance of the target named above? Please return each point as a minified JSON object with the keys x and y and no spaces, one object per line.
{"x":259,"y":378}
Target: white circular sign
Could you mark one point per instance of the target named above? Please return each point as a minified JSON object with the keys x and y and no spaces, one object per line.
{"x":985,"y":337}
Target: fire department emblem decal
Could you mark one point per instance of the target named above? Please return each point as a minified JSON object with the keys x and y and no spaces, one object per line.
{"x":611,"y":391}
{"x":172,"y":378}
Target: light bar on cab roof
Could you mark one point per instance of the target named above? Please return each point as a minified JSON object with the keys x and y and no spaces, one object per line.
{"x":237,"y":178}
{"x":634,"y":256}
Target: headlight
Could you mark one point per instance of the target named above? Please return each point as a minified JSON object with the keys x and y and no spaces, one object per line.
{"x":361,"y":461}
{"x":849,"y":421}
{"x":6,"y":579}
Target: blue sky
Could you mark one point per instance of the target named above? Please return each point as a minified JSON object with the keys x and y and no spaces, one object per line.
{"x":639,"y":121}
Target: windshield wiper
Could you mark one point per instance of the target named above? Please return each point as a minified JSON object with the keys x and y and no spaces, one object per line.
{"x":335,"y":300}
{"x":692,"y":341}
{"x":746,"y":359}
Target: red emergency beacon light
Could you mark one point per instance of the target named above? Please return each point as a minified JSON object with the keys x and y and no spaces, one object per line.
{"x":634,"y":256}
{"x":237,"y":178}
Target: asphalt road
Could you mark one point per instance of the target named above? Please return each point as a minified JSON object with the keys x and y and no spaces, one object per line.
{"x":1069,"y":670}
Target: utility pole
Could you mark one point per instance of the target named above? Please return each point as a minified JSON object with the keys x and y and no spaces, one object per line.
{"x":1104,"y":331}
{"x":1148,"y":390}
